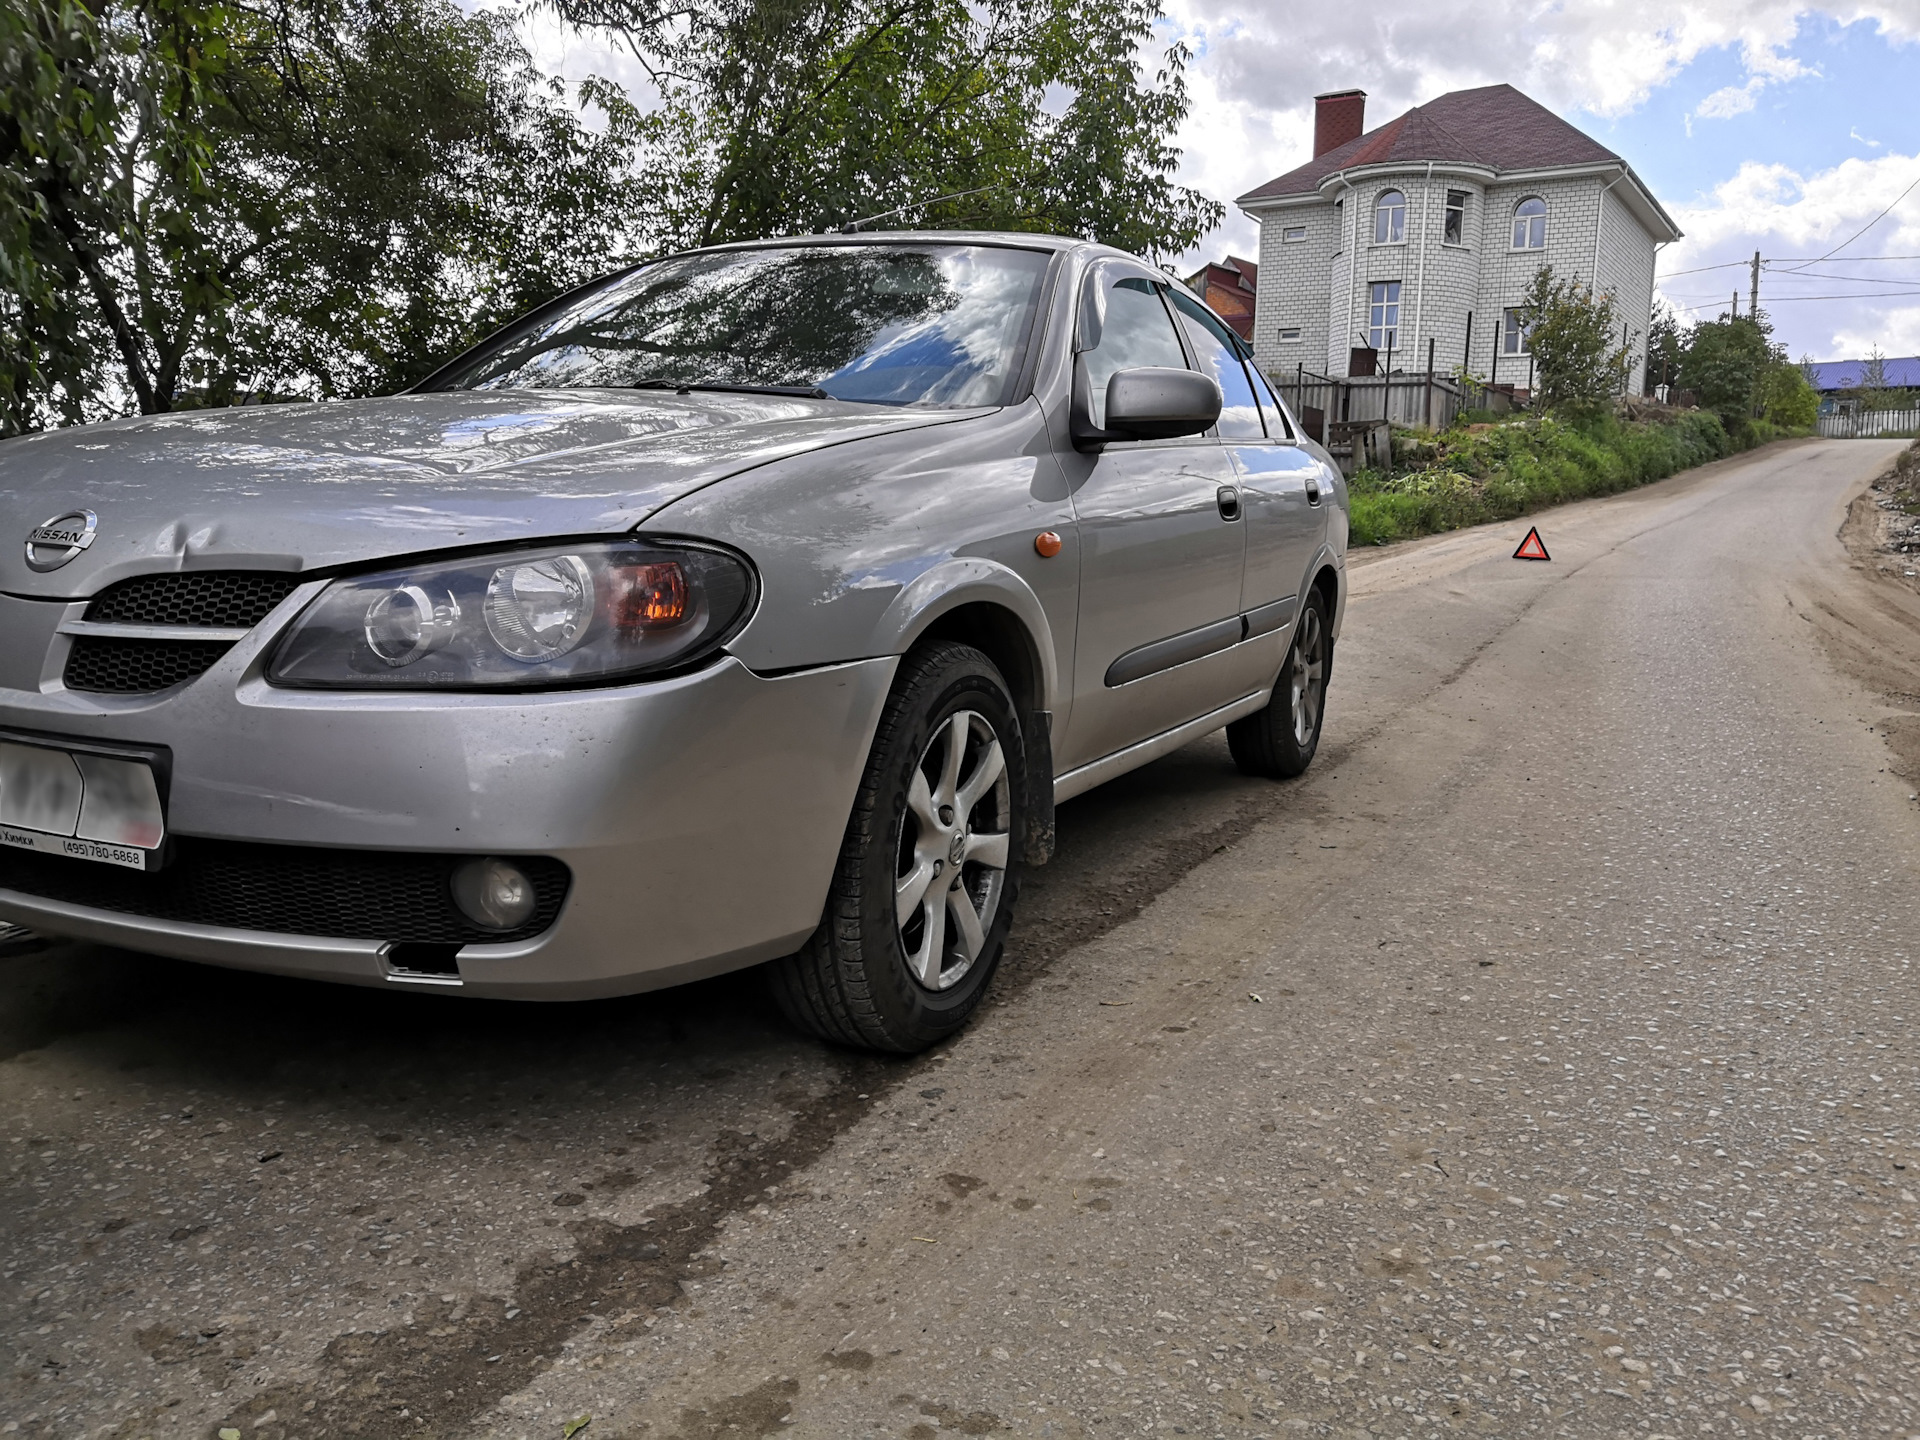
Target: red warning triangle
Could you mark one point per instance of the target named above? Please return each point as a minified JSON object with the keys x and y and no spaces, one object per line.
{"x":1533,"y":547}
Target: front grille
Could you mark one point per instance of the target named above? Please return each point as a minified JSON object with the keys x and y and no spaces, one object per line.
{"x":137,"y":667}
{"x":227,"y":598}
{"x":287,"y":889}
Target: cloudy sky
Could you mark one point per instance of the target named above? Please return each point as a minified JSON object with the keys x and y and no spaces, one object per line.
{"x":1760,"y":124}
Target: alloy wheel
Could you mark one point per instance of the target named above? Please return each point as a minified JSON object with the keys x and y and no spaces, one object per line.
{"x":952,"y":850}
{"x":1307,"y":679}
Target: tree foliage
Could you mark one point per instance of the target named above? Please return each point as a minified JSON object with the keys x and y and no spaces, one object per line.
{"x":1667,"y":337}
{"x":204,"y":201}
{"x":801,"y":115}
{"x":1786,"y":399}
{"x":1725,"y":363}
{"x":1581,"y":358}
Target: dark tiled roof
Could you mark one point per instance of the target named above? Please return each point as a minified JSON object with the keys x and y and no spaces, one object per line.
{"x":1495,"y":126}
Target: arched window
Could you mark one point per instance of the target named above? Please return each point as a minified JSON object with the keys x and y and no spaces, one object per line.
{"x":1530,"y":224}
{"x":1390,"y":218}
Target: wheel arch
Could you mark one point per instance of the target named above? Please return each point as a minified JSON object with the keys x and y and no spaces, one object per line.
{"x":1330,"y":579}
{"x":1005,"y":622}
{"x":986,"y":605}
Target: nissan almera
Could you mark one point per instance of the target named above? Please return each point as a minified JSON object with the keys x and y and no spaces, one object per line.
{"x":751,"y":606}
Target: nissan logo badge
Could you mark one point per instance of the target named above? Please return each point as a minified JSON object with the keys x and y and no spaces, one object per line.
{"x":53,"y":544}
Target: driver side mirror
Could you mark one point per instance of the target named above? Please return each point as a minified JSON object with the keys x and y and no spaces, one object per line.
{"x":1159,"y":403}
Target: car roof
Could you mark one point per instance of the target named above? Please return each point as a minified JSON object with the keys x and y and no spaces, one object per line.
{"x":1013,"y":239}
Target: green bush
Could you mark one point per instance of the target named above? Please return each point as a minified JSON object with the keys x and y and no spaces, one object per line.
{"x":1468,"y":479}
{"x":1786,"y":399}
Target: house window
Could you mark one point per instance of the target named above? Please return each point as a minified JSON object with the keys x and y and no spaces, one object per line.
{"x":1390,"y":218}
{"x":1293,"y":234}
{"x":1513,"y":335}
{"x":1530,"y":224}
{"x":1455,"y":232}
{"x":1289,"y":332}
{"x":1383,"y":314}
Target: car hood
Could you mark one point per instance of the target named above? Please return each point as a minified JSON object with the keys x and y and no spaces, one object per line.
{"x":300,"y":487}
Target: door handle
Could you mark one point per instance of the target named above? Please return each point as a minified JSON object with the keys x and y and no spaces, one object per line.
{"x":1227,"y":497}
{"x":1313,"y":488}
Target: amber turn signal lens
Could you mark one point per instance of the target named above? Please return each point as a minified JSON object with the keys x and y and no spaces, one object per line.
{"x":1048,"y":543}
{"x":650,"y":597}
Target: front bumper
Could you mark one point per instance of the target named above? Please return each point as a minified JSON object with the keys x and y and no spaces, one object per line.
{"x":699,"y":816}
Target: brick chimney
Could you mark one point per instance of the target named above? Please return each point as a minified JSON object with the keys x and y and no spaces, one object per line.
{"x":1338,"y":116}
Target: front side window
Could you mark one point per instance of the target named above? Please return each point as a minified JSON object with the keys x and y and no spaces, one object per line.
{"x":1513,"y":335}
{"x":1136,"y":331}
{"x":1383,"y":314}
{"x":1219,"y":356}
{"x":1390,"y":218}
{"x":1530,"y":225}
{"x":1455,"y":230}
{"x":886,"y":324}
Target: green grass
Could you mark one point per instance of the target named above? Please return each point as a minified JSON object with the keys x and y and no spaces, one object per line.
{"x":1457,"y":478}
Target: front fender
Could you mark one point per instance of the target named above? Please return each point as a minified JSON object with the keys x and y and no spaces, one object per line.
{"x":974,"y":580}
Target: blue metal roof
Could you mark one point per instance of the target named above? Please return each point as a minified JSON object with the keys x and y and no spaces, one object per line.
{"x":1845,"y":374}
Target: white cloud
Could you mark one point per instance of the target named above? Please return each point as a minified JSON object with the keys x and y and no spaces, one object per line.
{"x":1259,"y":63}
{"x":1731,"y":100}
{"x":1793,"y":220}
{"x":1895,"y":332}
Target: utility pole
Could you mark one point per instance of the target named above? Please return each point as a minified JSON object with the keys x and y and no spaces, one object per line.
{"x":1753,"y":296}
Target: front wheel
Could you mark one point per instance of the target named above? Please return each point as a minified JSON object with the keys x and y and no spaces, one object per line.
{"x":922,"y":894}
{"x":1279,"y":740}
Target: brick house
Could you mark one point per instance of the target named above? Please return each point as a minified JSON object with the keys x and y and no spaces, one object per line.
{"x":1432,"y":226}
{"x":1230,"y":287}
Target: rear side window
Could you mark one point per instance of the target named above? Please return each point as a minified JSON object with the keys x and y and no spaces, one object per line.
{"x":1136,"y":331}
{"x":1219,"y":354}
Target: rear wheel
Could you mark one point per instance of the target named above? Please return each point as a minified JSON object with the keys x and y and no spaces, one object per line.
{"x":923,"y":891}
{"x":1279,"y":740}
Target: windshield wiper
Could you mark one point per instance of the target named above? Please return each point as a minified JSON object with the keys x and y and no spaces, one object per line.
{"x":682,"y":387}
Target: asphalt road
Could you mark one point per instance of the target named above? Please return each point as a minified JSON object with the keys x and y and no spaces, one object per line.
{"x":1542,"y":1063}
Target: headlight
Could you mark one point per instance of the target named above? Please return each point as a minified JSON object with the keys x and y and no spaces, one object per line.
{"x":585,"y":614}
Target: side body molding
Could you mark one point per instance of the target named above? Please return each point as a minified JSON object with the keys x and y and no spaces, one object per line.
{"x":1175,"y":650}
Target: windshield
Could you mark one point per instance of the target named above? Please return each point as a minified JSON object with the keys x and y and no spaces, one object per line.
{"x":942,"y":325}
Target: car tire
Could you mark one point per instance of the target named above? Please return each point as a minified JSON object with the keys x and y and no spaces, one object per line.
{"x":904,"y":953}
{"x":1279,"y":740}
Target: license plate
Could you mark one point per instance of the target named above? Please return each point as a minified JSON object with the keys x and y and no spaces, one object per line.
{"x":88,"y":807}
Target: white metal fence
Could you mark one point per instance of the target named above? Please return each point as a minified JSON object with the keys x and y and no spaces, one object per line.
{"x":1866,"y":424}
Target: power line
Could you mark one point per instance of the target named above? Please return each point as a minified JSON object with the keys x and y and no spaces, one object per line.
{"x":1869,"y":225}
{"x":1675,"y":274}
{"x":1788,"y":260}
{"x":1836,"y":259}
{"x":1849,"y":279}
{"x":1783,"y":299}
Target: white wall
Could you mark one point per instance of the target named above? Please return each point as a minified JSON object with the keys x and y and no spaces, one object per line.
{"x":1322,"y":289}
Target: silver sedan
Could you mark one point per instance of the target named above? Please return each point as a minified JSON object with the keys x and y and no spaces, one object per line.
{"x":752,"y":605}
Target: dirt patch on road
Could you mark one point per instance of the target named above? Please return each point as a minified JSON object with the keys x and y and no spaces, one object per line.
{"x":1870,"y":619}
{"x":451,"y":1360}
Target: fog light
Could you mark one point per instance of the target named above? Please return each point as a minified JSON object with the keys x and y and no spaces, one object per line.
{"x":493,"y":893}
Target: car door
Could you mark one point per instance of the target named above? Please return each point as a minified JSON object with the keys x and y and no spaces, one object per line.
{"x":1161,"y":542}
{"x":1280,"y":480}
